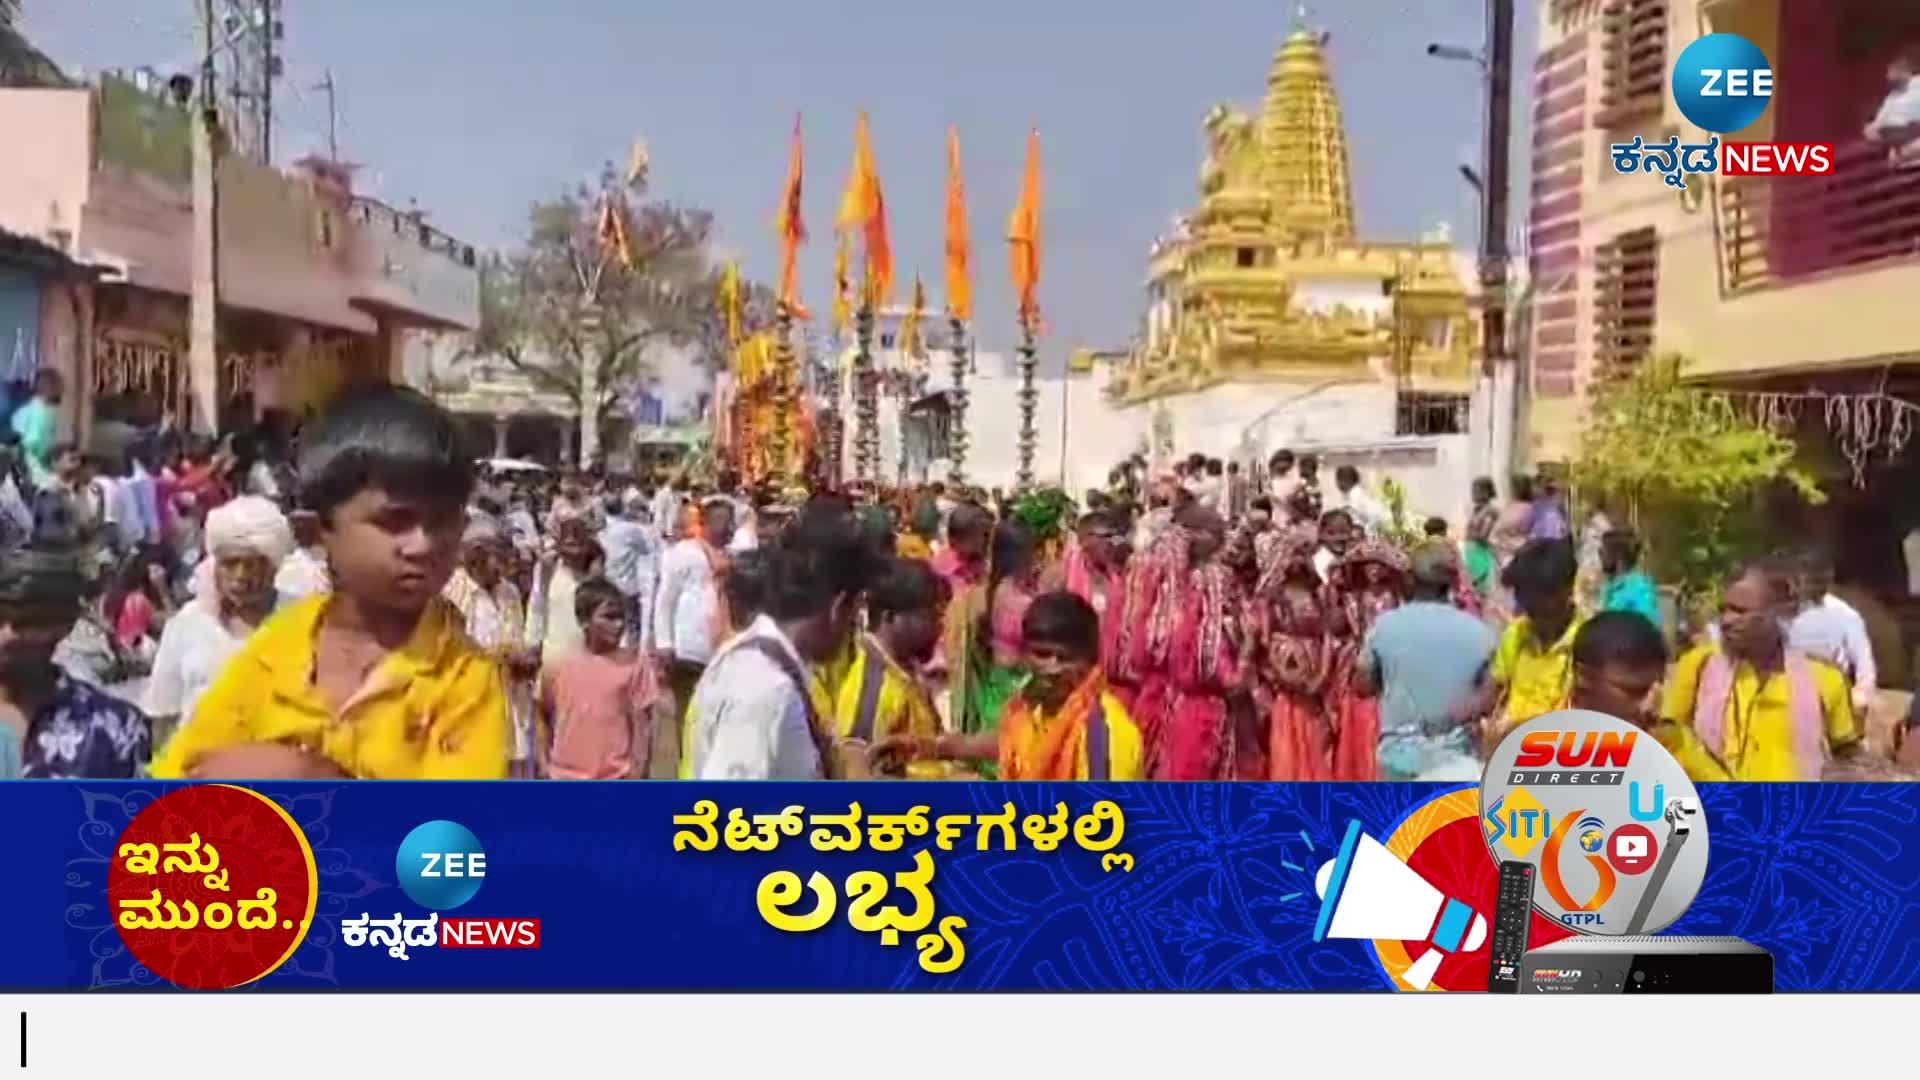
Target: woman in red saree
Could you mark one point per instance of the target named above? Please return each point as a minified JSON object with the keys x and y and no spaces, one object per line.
{"x":1297,"y":658}
{"x":1375,"y":577}
{"x":1196,"y":740}
{"x":1142,"y":635}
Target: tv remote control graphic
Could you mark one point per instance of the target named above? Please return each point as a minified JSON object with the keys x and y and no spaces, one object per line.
{"x":1512,"y":919}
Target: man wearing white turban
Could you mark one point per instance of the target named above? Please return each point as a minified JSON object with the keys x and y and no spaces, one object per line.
{"x":246,"y":541}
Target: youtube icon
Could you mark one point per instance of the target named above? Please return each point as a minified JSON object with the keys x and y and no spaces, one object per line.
{"x":1632,"y":849}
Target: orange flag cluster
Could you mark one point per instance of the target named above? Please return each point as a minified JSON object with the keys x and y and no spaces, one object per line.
{"x":863,"y":214}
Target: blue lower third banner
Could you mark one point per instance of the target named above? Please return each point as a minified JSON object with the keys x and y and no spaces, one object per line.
{"x":917,"y":886}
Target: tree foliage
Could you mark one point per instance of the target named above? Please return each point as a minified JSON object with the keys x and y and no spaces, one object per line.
{"x":569,"y":313}
{"x":22,"y":65}
{"x":1687,"y":471}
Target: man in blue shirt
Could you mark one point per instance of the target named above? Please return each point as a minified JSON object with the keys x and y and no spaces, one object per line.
{"x":1427,"y":660}
{"x":37,"y":423}
{"x":1628,"y":588}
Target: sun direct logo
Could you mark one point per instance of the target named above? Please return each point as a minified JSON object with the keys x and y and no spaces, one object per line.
{"x":1568,"y":758}
{"x":441,"y":866}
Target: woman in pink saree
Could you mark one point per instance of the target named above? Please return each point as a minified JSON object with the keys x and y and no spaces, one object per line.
{"x":1196,"y":740}
{"x":1373,"y":578}
{"x":1296,"y":660}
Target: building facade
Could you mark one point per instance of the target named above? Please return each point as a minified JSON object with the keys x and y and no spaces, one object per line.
{"x":1272,"y":322}
{"x":320,"y":287}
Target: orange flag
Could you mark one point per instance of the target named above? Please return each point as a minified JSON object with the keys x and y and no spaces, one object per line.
{"x":864,"y":207}
{"x":793,"y":231}
{"x":879,"y":251}
{"x":1023,"y":232}
{"x":959,"y":280}
{"x":842,"y":285}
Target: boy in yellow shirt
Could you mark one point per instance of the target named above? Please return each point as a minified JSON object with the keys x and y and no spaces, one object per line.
{"x":376,"y":679}
{"x":882,"y":694}
{"x":1063,"y":724}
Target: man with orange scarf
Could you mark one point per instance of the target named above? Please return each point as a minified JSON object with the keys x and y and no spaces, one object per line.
{"x":690,"y":619}
{"x":1063,"y":724}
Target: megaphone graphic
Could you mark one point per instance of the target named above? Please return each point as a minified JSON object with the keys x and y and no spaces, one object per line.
{"x":1367,"y":892}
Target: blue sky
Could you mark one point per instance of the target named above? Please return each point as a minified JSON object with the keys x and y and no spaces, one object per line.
{"x":476,"y":108}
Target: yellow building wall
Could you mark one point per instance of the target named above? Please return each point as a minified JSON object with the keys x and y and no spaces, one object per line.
{"x":1849,"y":319}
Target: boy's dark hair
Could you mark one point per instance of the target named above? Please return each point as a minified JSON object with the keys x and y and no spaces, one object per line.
{"x":1436,"y":526}
{"x":1062,"y":618}
{"x":387,"y":437}
{"x":1346,"y":474}
{"x":1623,"y":638}
{"x":814,"y":565}
{"x":591,"y":593}
{"x":968,"y":519}
{"x":1340,"y":513}
{"x":905,"y":585}
{"x":1541,"y":568}
{"x":49,"y":379}
{"x":1214,"y":468}
{"x":746,"y":586}
{"x":1777,"y":574}
{"x":1623,"y":542}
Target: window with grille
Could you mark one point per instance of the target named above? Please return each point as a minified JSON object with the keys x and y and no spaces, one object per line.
{"x":1634,"y":73}
{"x":1626,"y":291}
{"x":1431,"y":414}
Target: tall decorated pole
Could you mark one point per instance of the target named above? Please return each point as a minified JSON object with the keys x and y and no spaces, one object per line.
{"x":834,"y":442}
{"x":1023,"y":234}
{"x":959,"y":306}
{"x":908,"y":378}
{"x":793,"y":233}
{"x":863,"y":207}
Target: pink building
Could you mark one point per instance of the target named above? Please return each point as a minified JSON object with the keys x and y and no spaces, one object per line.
{"x":320,"y":288}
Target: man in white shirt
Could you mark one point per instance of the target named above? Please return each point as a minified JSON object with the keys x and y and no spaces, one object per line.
{"x":632,"y":547}
{"x":754,"y":715}
{"x":1828,"y":628}
{"x":689,"y":616}
{"x":1367,"y":511}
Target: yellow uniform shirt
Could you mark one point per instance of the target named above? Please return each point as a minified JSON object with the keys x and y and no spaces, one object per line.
{"x":1537,"y":678}
{"x":435,"y":709}
{"x":1124,"y":745}
{"x":900,"y":706}
{"x":1759,"y":723}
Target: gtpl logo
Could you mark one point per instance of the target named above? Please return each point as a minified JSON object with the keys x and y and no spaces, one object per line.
{"x":1578,"y":913}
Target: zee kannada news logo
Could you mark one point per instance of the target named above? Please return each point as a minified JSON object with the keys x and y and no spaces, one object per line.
{"x":441,"y":866}
{"x":1722,"y":83}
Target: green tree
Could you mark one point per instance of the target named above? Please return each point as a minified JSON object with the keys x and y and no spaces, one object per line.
{"x":1687,"y":471}
{"x":571,"y":314}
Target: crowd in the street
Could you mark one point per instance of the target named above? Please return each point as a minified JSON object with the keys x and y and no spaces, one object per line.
{"x":373,"y":605}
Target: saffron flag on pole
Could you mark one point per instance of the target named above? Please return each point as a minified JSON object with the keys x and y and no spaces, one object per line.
{"x":793,"y":230}
{"x":612,"y":229}
{"x":959,"y":280}
{"x":842,"y":285}
{"x":863,"y":208}
{"x":911,"y":347}
{"x":1023,"y":233}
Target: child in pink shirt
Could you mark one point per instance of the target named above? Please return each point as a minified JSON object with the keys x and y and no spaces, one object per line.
{"x":597,"y":705}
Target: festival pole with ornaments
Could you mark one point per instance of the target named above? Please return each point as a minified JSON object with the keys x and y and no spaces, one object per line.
{"x":1023,"y":236}
{"x":863,"y":208}
{"x":959,"y":306}
{"x":793,"y":233}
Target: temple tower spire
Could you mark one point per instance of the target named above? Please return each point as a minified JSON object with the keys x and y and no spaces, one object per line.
{"x":1305,"y":141}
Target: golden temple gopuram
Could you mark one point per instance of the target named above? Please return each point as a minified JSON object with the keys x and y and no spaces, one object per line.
{"x":1266,"y":281}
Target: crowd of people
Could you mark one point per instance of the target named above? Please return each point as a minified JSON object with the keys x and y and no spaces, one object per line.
{"x":380,"y":609}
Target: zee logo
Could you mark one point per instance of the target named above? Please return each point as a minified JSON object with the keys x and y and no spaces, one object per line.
{"x":1722,"y":83}
{"x":440,"y":865}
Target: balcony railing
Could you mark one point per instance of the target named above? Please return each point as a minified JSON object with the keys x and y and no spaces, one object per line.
{"x":375,"y":214}
{"x":1784,"y":230}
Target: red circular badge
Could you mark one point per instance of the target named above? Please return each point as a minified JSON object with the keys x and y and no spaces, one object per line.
{"x":1632,"y":849}
{"x":212,"y":886}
